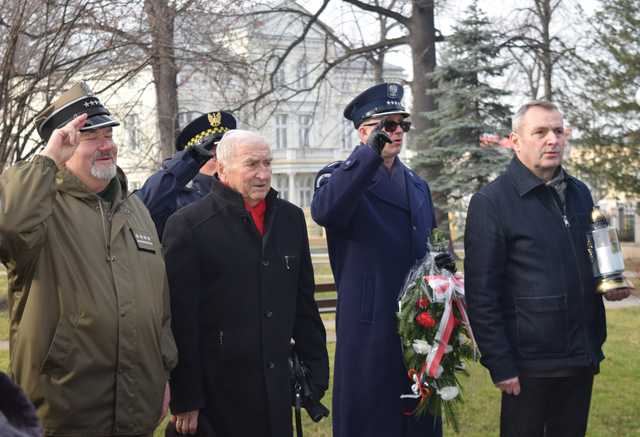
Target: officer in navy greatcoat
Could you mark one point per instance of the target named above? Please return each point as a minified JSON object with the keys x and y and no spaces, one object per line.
{"x":378,"y":215}
{"x":168,"y":189}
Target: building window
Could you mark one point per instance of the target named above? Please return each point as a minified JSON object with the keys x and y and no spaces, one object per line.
{"x":131,"y":126}
{"x":304,"y":185}
{"x":281,"y":130}
{"x":348,"y":135}
{"x":302,"y":73}
{"x":279,"y":78}
{"x":280,"y":183}
{"x":304,"y":131}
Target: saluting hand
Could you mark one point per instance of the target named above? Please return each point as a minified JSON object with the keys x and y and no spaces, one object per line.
{"x":378,"y":138}
{"x":64,"y":140}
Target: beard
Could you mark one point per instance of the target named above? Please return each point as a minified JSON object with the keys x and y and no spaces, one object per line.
{"x":103,"y":172}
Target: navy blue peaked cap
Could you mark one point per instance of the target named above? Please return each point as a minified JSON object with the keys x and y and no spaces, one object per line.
{"x":377,"y":101}
{"x":212,"y":123}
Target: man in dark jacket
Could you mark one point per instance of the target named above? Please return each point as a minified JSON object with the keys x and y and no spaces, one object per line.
{"x":378,"y":215}
{"x":532,"y":299}
{"x":168,"y":189}
{"x":242,"y":287}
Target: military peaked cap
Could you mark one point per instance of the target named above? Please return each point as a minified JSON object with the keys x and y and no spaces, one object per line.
{"x":77,"y":100}
{"x":212,"y":123}
{"x":377,"y":101}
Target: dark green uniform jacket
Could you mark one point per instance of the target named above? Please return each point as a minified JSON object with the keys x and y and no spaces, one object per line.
{"x":90,"y":337}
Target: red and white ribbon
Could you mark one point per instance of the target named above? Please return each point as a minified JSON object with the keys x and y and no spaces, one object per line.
{"x":450,"y":290}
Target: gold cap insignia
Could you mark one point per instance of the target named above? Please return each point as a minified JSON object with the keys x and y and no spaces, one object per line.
{"x":214,"y":118}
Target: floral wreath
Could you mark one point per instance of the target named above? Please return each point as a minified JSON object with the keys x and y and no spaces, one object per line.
{"x":435,"y":334}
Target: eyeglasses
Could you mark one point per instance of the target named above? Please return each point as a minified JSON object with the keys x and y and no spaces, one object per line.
{"x":391,"y":126}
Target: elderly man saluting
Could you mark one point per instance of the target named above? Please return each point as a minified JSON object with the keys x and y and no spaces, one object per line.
{"x":242,"y":286}
{"x":90,"y":339}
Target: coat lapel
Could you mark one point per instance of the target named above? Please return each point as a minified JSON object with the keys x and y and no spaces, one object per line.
{"x":383,"y":187}
{"x":415,"y":191}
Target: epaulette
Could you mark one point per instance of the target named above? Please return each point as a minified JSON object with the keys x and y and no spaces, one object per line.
{"x":325,"y":173}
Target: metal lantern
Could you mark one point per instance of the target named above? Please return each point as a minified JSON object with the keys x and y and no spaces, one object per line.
{"x":605,"y":253}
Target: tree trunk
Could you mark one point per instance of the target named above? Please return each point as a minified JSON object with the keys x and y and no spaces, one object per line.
{"x":546,"y":61}
{"x":422,"y":36}
{"x":161,"y":18}
{"x":378,"y":67}
{"x":422,"y":39}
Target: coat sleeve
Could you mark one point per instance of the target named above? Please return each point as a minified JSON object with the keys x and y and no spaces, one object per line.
{"x":160,"y":192}
{"x":17,"y":414}
{"x":485,"y":255}
{"x":337,"y":195}
{"x":27,"y":193}
{"x":308,"y":332}
{"x":184,"y":288}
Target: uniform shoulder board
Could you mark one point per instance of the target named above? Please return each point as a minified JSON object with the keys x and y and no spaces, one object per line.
{"x":323,"y":175}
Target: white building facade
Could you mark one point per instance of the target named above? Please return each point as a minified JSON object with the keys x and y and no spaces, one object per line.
{"x":302,"y":119}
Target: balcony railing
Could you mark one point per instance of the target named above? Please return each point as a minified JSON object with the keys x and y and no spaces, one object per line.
{"x":309,"y":153}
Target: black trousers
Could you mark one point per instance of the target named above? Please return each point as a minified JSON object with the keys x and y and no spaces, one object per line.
{"x":548,"y":407}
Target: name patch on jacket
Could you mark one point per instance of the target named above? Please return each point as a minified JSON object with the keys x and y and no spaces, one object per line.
{"x":143,"y":241}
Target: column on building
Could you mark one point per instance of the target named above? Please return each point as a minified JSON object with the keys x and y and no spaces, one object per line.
{"x":293,"y":193}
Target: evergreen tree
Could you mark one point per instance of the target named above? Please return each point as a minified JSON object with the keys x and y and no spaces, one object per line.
{"x":469,"y":109}
{"x":606,"y":115}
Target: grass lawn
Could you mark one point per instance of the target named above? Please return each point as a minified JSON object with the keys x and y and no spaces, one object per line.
{"x":4,"y":360}
{"x":615,"y":393}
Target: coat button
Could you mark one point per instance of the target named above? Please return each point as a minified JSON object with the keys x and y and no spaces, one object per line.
{"x":265,"y":262}
{"x":271,"y":364}
{"x":268,"y":314}
{"x":414,"y":228}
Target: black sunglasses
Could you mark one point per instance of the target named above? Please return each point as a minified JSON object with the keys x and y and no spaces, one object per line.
{"x":391,"y":126}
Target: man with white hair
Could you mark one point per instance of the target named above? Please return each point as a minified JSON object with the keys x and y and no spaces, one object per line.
{"x":242,"y":286}
{"x":90,"y":337}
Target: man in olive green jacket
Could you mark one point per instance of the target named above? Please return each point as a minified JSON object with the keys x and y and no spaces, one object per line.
{"x":90,"y":338}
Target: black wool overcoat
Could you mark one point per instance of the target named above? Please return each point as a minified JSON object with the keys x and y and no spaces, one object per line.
{"x":237,"y":299}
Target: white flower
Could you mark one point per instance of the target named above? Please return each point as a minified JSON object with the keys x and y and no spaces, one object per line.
{"x":421,"y":347}
{"x":449,"y":393}
{"x":448,"y":349}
